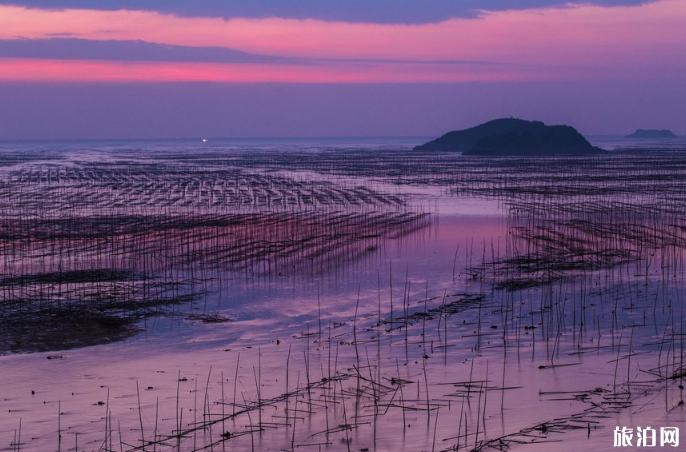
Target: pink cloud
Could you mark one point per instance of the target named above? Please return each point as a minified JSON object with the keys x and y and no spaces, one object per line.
{"x":579,"y":41}
{"x":36,"y":70}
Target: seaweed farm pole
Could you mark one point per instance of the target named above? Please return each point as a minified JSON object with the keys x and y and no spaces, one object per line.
{"x":484,"y":388}
{"x":455,"y":261}
{"x":406,"y":305}
{"x":357,"y":352}
{"x":140,"y":415}
{"x":258,"y":379}
{"x":178,"y":421}
{"x":235,"y":382}
{"x":178,"y":437}
{"x":288,"y":362}
{"x":59,"y":425}
{"x":390,"y":282}
{"x":223,"y":405}
{"x":329,"y":351}
{"x":426,"y":387}
{"x":402,"y":395}
{"x":433,"y":443}
{"x":295,"y":409}
{"x":307,"y":365}
{"x":459,"y":427}
{"x":252,"y":438}
{"x":345,"y":417}
{"x":469,"y":387}
{"x":375,"y":388}
{"x":207,"y":410}
{"x":619,"y":345}
{"x":483,"y":414}
{"x":108,"y":421}
{"x":681,"y":346}
{"x":195,"y":413}
{"x":319,"y":314}
{"x":157,"y":412}
{"x":443,"y":315}
{"x":378,"y":339}
{"x":426,"y":302}
{"x":502,"y":391}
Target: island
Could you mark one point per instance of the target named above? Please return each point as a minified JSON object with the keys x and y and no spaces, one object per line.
{"x":651,"y":133}
{"x":511,"y":136}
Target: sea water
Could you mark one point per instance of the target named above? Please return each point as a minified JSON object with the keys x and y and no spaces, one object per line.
{"x":436,"y":334}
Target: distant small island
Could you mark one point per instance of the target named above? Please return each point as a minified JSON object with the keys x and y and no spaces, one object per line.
{"x":652,"y":133}
{"x":511,"y":136}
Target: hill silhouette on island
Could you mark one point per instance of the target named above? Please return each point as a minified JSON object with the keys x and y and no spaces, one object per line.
{"x":511,"y":136}
{"x":652,"y":133}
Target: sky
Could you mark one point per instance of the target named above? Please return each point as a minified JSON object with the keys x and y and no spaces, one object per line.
{"x":308,"y":68}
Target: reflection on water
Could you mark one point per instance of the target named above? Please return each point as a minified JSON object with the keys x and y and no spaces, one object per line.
{"x":282,"y":311}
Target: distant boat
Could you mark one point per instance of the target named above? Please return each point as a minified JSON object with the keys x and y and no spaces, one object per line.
{"x":204,"y":140}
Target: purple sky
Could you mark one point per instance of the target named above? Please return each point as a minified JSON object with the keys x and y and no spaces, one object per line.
{"x":157,"y":69}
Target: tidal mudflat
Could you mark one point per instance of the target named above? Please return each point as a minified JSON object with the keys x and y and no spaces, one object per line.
{"x":337,"y":296}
